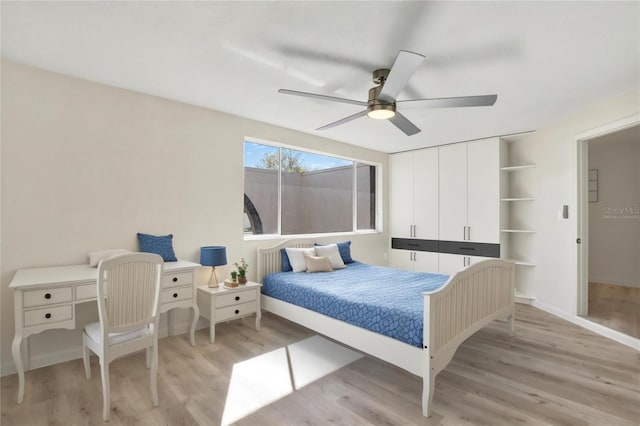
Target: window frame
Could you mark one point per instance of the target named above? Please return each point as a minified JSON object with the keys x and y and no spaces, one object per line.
{"x":354,"y":220}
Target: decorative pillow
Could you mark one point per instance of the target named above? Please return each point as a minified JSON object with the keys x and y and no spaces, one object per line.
{"x":345,"y":251}
{"x":333,"y":254}
{"x":286,"y":265}
{"x":317,"y":263}
{"x":96,"y":256}
{"x":296,"y":257}
{"x":162,"y":245}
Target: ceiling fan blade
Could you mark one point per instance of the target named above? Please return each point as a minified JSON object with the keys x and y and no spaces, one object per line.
{"x":462,"y":101}
{"x":344,"y":120}
{"x":322,"y":97}
{"x":403,"y":68}
{"x":403,"y":123}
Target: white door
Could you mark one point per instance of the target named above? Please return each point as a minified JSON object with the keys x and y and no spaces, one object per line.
{"x":483,"y":191}
{"x":401,"y":194}
{"x":401,"y":259}
{"x":453,"y":192}
{"x":425,"y":261}
{"x":425,"y":193}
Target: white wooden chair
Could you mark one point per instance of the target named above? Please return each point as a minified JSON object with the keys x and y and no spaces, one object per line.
{"x":128,"y":298}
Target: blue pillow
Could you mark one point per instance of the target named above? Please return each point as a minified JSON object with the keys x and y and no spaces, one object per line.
{"x":345,"y":251}
{"x":286,"y":265}
{"x":162,"y":245}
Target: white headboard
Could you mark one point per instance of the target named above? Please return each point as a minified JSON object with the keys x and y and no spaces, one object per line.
{"x":270,"y":260}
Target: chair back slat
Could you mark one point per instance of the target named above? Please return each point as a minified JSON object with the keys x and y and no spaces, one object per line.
{"x":128,"y":290}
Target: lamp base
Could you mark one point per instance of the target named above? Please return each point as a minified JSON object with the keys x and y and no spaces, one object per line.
{"x":212,"y":283}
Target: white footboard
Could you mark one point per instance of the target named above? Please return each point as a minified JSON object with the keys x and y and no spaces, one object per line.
{"x":471,"y":299}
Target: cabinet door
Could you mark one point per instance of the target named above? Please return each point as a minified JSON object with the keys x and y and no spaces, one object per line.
{"x":449,"y":264}
{"x":401,"y":259}
{"x":453,"y":192}
{"x":401,"y":194}
{"x":426,"y":262}
{"x":425,"y":193}
{"x":483,"y":191}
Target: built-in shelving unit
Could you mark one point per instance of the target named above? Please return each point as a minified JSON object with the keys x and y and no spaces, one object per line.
{"x":518,"y":199}
{"x":515,"y":168}
{"x":524,"y":231}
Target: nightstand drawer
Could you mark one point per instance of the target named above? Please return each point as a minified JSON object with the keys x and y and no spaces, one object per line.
{"x":177,"y":279}
{"x":47,"y":297}
{"x":235,"y":298}
{"x":167,"y":296}
{"x":231,"y":312}
{"x":48,"y":315}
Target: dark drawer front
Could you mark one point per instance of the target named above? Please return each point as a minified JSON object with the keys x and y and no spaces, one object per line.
{"x":469,"y":249}
{"x":413,"y":244}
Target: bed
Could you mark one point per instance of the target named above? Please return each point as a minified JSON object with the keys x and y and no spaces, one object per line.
{"x":441,"y":311}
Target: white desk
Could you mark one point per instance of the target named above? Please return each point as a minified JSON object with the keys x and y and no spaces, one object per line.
{"x":45,"y":299}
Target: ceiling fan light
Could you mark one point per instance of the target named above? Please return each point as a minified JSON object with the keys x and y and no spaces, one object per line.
{"x":381,"y":112}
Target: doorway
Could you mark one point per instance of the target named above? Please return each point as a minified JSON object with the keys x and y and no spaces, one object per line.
{"x":609,"y":224}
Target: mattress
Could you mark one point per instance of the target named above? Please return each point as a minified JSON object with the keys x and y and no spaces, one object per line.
{"x":383,"y":300}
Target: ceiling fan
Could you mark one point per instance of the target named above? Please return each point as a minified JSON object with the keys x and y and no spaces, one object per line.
{"x":382,"y":103}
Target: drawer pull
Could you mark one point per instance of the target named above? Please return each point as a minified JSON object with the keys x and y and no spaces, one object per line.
{"x":47,"y":296}
{"x":175,"y":279}
{"x":237,"y":298}
{"x":175,"y":294}
{"x":47,"y":315}
{"x":237,"y":311}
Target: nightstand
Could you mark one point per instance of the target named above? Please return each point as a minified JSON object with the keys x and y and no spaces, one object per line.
{"x":225,"y":304}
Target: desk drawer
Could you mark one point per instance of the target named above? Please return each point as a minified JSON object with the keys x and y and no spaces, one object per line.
{"x":50,"y":296}
{"x":48,"y":315}
{"x":236,"y":311}
{"x":86,"y":292}
{"x":173,"y":295}
{"x":177,"y":279}
{"x":235,"y":298}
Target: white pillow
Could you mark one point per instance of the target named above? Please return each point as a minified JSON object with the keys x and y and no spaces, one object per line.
{"x":296,"y":257}
{"x":96,"y":256}
{"x":331,"y":251}
{"x":317,"y":263}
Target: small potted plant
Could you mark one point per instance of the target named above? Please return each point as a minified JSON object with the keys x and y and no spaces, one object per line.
{"x":234,"y":276}
{"x":242,"y":271}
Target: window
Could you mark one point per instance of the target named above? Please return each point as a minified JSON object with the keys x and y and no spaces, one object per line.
{"x":289,"y":191}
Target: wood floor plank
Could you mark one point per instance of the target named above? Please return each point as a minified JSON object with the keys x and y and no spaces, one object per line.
{"x":551,"y":373}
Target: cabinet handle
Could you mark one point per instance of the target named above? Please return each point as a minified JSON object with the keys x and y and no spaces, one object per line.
{"x":237,"y":311}
{"x":47,"y":296}
{"x":175,"y":294}
{"x":175,"y":279}
{"x":237,"y":298}
{"x":469,"y":232}
{"x":47,"y":315}
{"x":464,"y":233}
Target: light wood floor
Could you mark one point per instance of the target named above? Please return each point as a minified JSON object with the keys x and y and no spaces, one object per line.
{"x":616,"y":307}
{"x":551,"y":373}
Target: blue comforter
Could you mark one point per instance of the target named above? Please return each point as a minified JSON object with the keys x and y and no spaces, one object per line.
{"x":384,"y":300}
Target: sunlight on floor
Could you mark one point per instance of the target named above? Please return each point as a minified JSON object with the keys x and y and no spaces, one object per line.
{"x":262,"y":380}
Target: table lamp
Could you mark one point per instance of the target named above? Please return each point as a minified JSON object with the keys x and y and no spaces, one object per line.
{"x":213,"y":256}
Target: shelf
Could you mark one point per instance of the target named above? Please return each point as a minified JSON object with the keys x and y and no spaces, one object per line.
{"x":518,"y":199}
{"x":521,"y":262}
{"x":524,"y":231}
{"x":523,"y":298}
{"x":514,"y":168}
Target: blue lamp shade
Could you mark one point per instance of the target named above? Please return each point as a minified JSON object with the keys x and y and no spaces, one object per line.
{"x":213,"y":256}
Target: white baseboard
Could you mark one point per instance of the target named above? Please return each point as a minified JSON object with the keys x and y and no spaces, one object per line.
{"x":613,"y":282}
{"x":44,"y":360}
{"x":617,"y":336}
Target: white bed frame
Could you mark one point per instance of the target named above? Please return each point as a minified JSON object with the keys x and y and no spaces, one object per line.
{"x":470,"y":299}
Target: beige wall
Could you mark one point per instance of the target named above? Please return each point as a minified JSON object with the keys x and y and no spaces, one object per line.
{"x":554,"y":150}
{"x":87,"y":166}
{"x":614,"y":220}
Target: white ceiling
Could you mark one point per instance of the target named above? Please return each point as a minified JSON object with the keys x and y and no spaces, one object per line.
{"x":543,"y":59}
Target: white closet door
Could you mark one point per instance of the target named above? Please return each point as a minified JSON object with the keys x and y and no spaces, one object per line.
{"x":453,"y":192}
{"x":426,"y":262}
{"x":449,"y":264}
{"x":425,"y":193}
{"x":401,"y":259}
{"x":401,"y":194}
{"x":483,"y":191}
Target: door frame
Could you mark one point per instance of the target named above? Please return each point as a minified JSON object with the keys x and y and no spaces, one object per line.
{"x":582,"y":141}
